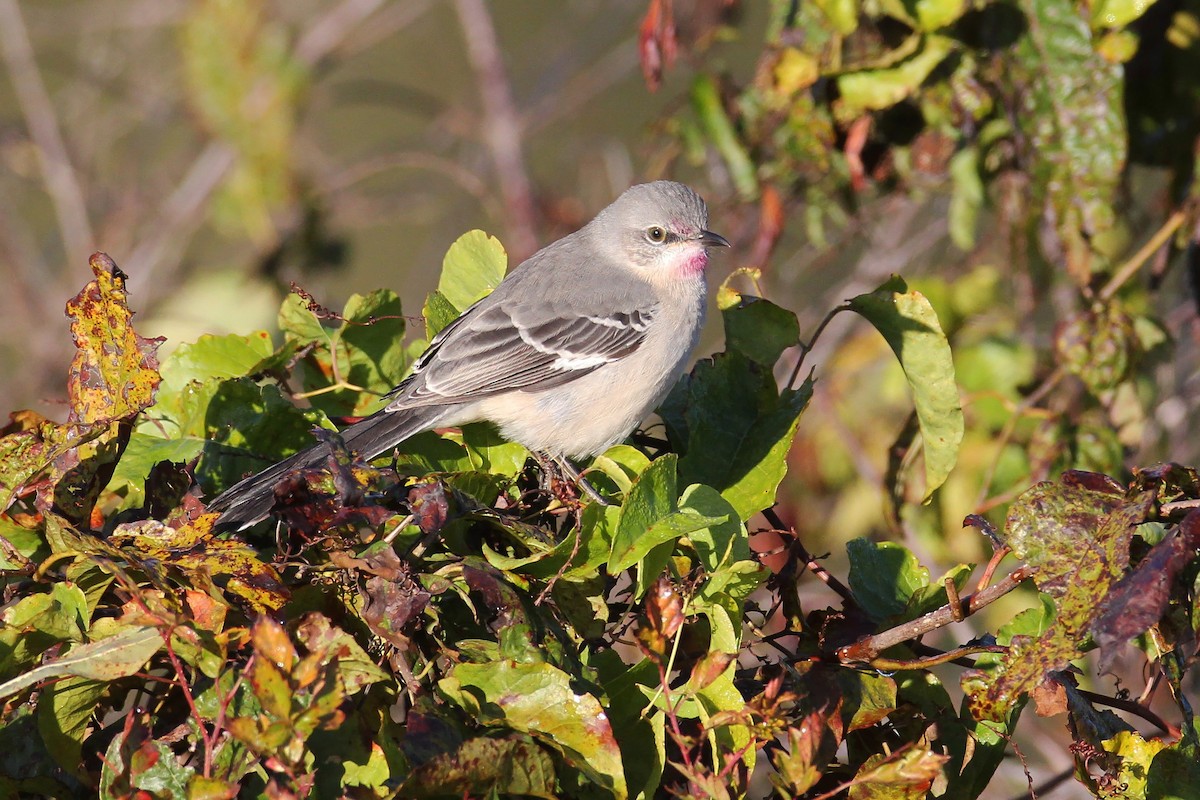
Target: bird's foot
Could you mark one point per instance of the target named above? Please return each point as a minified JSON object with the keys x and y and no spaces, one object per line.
{"x":558,"y":467}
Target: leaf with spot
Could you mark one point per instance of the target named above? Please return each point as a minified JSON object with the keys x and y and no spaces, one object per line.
{"x":1077,"y":539}
{"x":114,"y":373}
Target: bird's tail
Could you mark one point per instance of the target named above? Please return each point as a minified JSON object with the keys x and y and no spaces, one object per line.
{"x":250,"y":500}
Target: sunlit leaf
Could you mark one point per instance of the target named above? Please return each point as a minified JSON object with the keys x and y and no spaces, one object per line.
{"x":909,"y":324}
{"x":538,"y":699}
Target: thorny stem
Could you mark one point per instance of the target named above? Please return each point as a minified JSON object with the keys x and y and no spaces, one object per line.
{"x":868,"y":649}
{"x":806,"y":348}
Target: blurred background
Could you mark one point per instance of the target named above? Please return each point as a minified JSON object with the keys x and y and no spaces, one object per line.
{"x":1030,"y":167}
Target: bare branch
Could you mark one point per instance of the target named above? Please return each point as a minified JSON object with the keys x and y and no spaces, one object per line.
{"x":868,"y":649}
{"x":61,"y":181}
{"x":501,"y":124}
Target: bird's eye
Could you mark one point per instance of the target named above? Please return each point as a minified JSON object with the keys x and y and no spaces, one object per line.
{"x":656,"y":234}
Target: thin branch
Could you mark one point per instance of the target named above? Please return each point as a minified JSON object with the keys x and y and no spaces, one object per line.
{"x":61,"y":181}
{"x":186,"y":209}
{"x":806,"y":348}
{"x":1131,"y":267}
{"x":501,"y":124}
{"x":810,"y":562}
{"x":1132,"y":707}
{"x":183,"y":212}
{"x":324,"y":35}
{"x":869,"y":648}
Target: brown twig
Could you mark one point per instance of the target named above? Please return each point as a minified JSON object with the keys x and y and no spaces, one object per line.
{"x":814,"y":566}
{"x":1131,"y":267}
{"x":895,"y":665}
{"x":868,"y":649}
{"x":1132,"y":707}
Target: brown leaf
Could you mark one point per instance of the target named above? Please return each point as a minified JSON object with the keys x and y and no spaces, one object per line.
{"x":657,"y":43}
{"x":272,"y":642}
{"x":710,"y":667}
{"x":193,"y":553}
{"x":393,"y":599}
{"x":429,"y":506}
{"x":1050,"y":698}
{"x":1140,"y":598}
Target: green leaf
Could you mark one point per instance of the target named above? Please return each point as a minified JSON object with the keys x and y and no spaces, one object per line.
{"x":757,"y":328}
{"x":966,"y":199}
{"x":537,"y":699}
{"x":364,"y":348}
{"x":64,"y":711}
{"x":934,"y":14}
{"x":585,"y":550}
{"x":438,"y":312}
{"x":490,"y":452}
{"x":721,"y":543}
{"x":250,"y":427}
{"x":1174,"y":774}
{"x":489,"y":767}
{"x":117,"y":656}
{"x":652,"y":498}
{"x":474,"y":266}
{"x":740,"y":429}
{"x":875,"y":89}
{"x":1073,"y":109}
{"x":883,"y":576}
{"x":909,"y":324}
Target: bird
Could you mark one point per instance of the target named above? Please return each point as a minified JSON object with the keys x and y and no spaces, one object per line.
{"x":566,"y":356}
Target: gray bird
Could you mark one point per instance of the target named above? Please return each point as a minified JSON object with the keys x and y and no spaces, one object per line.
{"x":566,"y":356}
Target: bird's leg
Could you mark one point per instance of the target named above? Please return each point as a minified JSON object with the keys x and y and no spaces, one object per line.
{"x":559,"y":467}
{"x":569,"y":470}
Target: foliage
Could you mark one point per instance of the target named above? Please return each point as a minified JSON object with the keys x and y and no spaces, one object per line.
{"x":440,"y":623}
{"x":449,"y":621}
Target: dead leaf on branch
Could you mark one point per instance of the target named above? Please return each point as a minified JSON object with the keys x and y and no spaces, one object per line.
{"x":1140,"y":598}
{"x":1076,"y":535}
{"x":113,"y":376}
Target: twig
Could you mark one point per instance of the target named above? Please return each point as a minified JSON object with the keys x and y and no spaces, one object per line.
{"x":895,"y":665}
{"x":184,"y":211}
{"x":501,"y":124}
{"x":1010,"y":427}
{"x":806,"y":348}
{"x":1046,"y":786}
{"x":814,"y":566}
{"x":869,"y":648}
{"x":1132,"y":707}
{"x":186,"y":688}
{"x":327,"y":32}
{"x":1131,"y":267}
{"x":61,"y":181}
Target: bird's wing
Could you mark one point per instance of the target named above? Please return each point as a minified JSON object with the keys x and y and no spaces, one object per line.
{"x":499,"y":347}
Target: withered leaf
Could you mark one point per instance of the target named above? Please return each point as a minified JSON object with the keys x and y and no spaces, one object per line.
{"x":1140,"y":598}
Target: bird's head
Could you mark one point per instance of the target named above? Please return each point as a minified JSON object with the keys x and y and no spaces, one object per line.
{"x":660,"y":230}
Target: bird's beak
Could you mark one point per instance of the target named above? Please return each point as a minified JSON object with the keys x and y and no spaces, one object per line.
{"x":710,"y":239}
